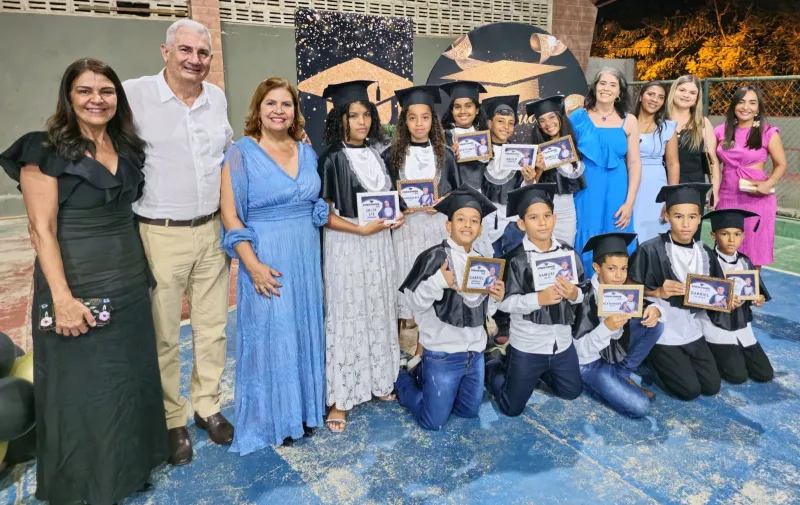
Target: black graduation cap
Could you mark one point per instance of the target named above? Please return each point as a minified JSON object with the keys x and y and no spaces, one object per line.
{"x":730,"y":218}
{"x":608,"y":243}
{"x":497,"y":103}
{"x":418,"y":95}
{"x":541,"y":107}
{"x":463,"y":89}
{"x":465,"y":196}
{"x":520,"y":199}
{"x":691,"y":192}
{"x":347,"y":92}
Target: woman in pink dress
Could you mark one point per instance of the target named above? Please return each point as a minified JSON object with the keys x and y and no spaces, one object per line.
{"x":745,"y":142}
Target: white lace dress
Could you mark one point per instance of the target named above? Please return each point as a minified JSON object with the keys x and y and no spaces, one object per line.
{"x":362,"y":355}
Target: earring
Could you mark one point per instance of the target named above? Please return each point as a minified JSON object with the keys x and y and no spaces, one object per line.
{"x":618,"y":99}
{"x":757,"y":122}
{"x":291,"y":129}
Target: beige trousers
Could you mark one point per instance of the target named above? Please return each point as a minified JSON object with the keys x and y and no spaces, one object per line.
{"x":189,"y":261}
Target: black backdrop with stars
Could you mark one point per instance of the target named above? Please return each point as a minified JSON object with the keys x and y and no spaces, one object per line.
{"x":327,"y":39}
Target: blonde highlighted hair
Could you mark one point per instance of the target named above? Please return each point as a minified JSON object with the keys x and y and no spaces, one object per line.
{"x":252,"y":123}
{"x":695,"y":128}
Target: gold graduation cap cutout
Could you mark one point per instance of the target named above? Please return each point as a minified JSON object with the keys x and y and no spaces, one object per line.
{"x":506,"y":77}
{"x":381,"y":93}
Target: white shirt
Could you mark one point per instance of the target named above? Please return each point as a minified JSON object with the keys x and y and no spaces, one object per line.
{"x":186,"y":146}
{"x":435,"y":335}
{"x":589,"y":346}
{"x":716,"y":335}
{"x":681,"y":327}
{"x":533,"y":338}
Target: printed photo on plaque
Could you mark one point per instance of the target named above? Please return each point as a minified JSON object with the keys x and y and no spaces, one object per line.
{"x":516,"y":156}
{"x":474,"y":146}
{"x":558,"y":152}
{"x":546,"y":267}
{"x":708,"y":293}
{"x":419,"y":194}
{"x":378,"y":205}
{"x":620,"y":299}
{"x":482,"y":273}
{"x":745,"y":284}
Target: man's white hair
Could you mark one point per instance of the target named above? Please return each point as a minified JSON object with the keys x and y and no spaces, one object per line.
{"x":186,"y":24}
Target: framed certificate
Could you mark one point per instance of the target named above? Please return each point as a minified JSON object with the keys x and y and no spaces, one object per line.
{"x":550,"y":265}
{"x":620,"y":299}
{"x":515,"y":156}
{"x":558,"y":152}
{"x":745,"y":283}
{"x":482,"y":273}
{"x":709,"y":293}
{"x":474,"y":146}
{"x":419,"y":194}
{"x":378,"y":205}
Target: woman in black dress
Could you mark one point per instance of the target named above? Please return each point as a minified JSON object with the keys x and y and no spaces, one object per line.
{"x":99,"y":414}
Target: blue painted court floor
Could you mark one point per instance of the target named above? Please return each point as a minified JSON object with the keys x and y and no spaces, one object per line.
{"x":740,"y":447}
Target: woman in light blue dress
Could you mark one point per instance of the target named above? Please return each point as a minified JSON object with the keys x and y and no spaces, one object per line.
{"x":658,"y":145}
{"x":271,"y":214}
{"x":608,"y":139}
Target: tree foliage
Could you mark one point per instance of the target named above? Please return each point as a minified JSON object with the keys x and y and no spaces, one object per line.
{"x":717,"y":38}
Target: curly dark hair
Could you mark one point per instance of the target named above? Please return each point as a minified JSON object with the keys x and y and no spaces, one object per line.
{"x":337,"y":129}
{"x":64,"y":133}
{"x":479,"y":123}
{"x":401,"y":140}
{"x":621,"y":105}
{"x":540,"y":137}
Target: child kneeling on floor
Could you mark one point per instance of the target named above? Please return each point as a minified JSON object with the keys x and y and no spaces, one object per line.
{"x":450,"y":376}
{"x":605,"y":366}
{"x":540,"y":340}
{"x":730,"y":335}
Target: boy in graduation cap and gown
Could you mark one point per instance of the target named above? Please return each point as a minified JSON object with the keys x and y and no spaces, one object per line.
{"x":730,"y":335}
{"x":605,"y":366}
{"x":451,"y":375}
{"x":540,"y":345}
{"x":681,"y":358}
{"x":362,"y":351}
{"x":419,"y":152}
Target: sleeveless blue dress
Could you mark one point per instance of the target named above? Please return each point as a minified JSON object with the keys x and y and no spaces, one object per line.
{"x":280,"y":341}
{"x":604,"y":151}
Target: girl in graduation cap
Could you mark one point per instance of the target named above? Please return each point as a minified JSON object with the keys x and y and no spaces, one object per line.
{"x":552,"y":123}
{"x":359,"y":268}
{"x":465,"y":115}
{"x":418,"y":151}
{"x":730,"y":335}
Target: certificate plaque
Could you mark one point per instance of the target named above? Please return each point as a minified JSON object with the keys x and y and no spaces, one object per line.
{"x":378,"y":205}
{"x":482,"y":273}
{"x":419,"y":194}
{"x":625,"y":299}
{"x":558,"y":152}
{"x":745,"y":284}
{"x":474,"y":146}
{"x":550,"y":265}
{"x":709,"y":293}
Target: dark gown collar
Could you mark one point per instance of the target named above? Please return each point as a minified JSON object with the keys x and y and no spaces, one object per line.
{"x":351,"y":146}
{"x":420,"y":144}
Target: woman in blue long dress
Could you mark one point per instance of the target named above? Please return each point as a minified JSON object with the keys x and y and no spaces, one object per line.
{"x":658,"y":146}
{"x":271,"y":213}
{"x":608,"y":139}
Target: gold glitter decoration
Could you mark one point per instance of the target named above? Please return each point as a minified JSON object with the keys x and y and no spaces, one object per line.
{"x":547,"y":46}
{"x":358,"y":69}
{"x":460,"y":50}
{"x":507,"y":77}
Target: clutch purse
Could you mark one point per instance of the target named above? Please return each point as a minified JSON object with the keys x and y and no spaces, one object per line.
{"x":749,"y":186}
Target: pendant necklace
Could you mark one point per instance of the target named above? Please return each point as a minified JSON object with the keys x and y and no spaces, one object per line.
{"x":602,"y":117}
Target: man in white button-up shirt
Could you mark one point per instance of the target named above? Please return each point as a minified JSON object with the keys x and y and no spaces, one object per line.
{"x":184,"y":121}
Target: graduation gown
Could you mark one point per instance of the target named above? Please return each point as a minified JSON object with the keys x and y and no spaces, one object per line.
{"x":498,"y":192}
{"x":340,"y":184}
{"x":650,"y":266}
{"x":518,"y":278}
{"x":452,"y":309}
{"x":566,"y":186}
{"x":447,"y":177}
{"x":586,"y":320}
{"x":738,"y":318}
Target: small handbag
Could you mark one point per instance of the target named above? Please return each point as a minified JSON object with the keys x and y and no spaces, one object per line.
{"x":749,"y":186}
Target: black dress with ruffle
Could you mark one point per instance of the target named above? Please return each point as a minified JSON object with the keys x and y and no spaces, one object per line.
{"x":99,"y":410}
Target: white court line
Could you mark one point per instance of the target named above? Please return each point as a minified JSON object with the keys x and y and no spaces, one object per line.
{"x":781,"y":271}
{"x":230,"y":309}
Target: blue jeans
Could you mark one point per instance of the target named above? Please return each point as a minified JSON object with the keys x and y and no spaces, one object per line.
{"x":448,"y":383}
{"x":641,"y":343}
{"x":512,"y":385}
{"x":604,"y":382}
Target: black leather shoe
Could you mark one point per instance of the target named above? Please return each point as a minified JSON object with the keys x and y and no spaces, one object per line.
{"x":180,"y":446}
{"x":219,"y":430}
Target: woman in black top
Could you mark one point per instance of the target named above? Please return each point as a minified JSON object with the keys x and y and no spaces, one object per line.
{"x":99,"y":414}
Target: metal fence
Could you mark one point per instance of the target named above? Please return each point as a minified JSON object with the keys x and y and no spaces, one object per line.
{"x":782,"y":103}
